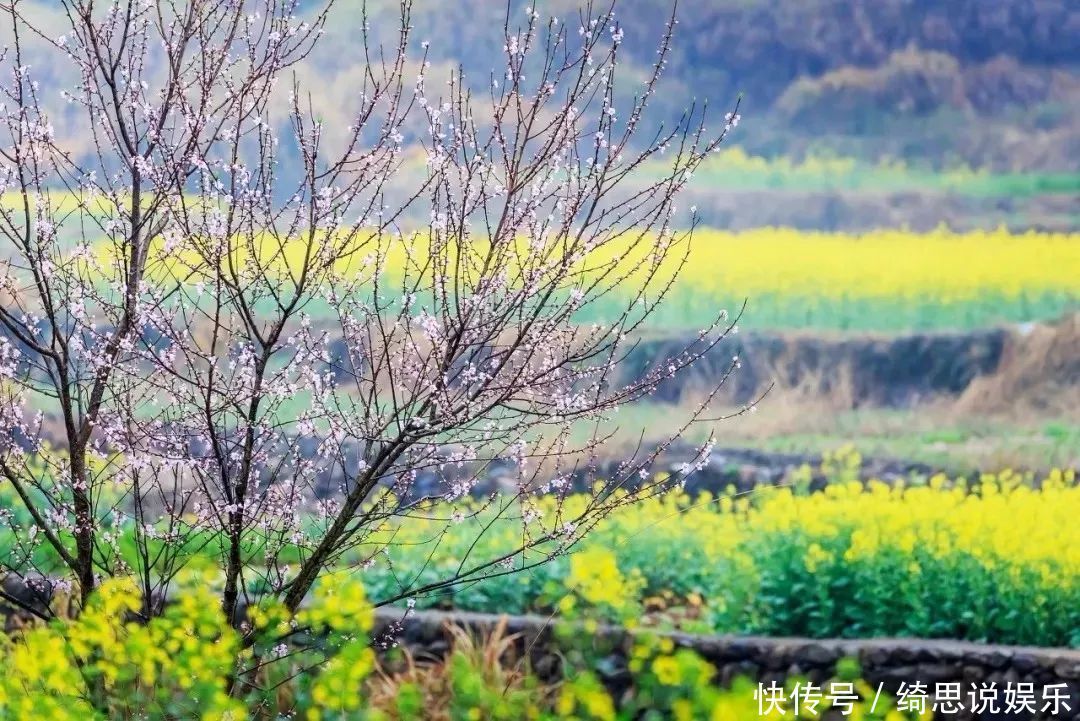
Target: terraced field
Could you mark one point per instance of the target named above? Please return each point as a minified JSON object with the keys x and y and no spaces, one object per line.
{"x":887,"y":280}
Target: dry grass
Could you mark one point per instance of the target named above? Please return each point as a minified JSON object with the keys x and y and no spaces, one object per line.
{"x":492,"y":657}
{"x":1039,"y":375}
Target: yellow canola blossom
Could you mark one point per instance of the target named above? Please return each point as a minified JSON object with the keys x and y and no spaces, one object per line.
{"x":887,"y":263}
{"x":1001,"y":521}
{"x":878,"y":264}
{"x":1001,"y":552}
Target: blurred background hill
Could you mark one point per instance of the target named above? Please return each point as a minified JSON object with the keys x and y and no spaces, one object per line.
{"x":982,"y":83}
{"x":857,"y":113}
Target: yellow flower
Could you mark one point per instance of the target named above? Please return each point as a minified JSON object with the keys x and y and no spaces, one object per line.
{"x":682,"y":710}
{"x":667,"y":670}
{"x":815,"y":557}
{"x":595,"y":577}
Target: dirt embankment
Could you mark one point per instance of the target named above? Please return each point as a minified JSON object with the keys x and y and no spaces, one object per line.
{"x":1032,"y":367}
{"x":1039,"y":369}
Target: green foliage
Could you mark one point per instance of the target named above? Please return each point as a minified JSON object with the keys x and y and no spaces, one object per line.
{"x":686,"y":309}
{"x":477,"y":696}
{"x":189,"y":662}
{"x":735,"y":169}
{"x":986,"y":562}
{"x":183,"y":665}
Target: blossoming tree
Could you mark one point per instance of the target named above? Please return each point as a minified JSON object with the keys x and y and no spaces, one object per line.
{"x":223,"y":335}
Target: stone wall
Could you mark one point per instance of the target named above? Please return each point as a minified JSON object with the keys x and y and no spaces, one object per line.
{"x":883,"y":661}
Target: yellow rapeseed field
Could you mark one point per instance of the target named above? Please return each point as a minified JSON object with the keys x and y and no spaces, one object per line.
{"x":853,"y":560}
{"x":883,"y":263}
{"x":878,"y":280}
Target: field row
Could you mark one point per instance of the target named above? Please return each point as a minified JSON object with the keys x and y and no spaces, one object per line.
{"x":994,"y":560}
{"x":883,"y":280}
{"x":735,"y":169}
